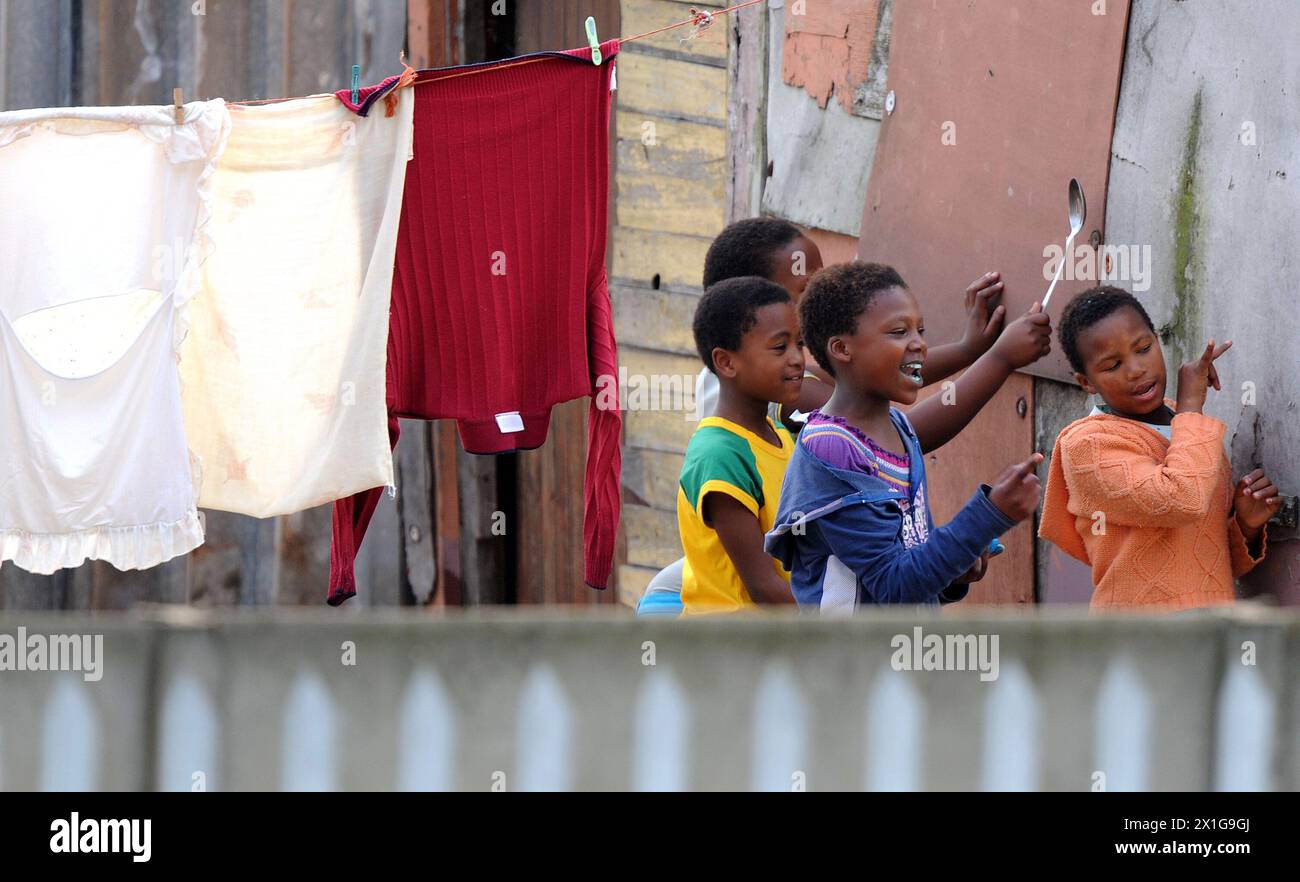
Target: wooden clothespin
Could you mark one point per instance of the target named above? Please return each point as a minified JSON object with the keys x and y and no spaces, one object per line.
{"x":356,"y":84}
{"x":178,"y":102}
{"x":593,"y":41}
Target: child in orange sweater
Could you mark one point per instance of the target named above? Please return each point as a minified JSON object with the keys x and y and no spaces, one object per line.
{"x":1139,"y":490}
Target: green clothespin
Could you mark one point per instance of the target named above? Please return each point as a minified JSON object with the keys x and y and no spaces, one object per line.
{"x":356,"y":84}
{"x":594,"y":41}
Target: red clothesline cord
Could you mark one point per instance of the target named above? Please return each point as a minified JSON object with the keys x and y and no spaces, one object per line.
{"x":697,"y":18}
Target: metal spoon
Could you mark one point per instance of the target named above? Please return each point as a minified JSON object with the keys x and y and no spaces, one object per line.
{"x":1078,"y":212}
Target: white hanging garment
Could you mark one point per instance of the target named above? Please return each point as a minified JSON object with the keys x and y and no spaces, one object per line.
{"x":102,"y":217}
{"x":284,"y":384}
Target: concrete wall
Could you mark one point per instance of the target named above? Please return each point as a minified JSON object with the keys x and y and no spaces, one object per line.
{"x":314,"y":701}
{"x":1205,"y":173}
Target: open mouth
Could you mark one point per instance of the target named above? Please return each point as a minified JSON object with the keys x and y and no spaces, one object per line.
{"x":1146,"y":390}
{"x":912,"y":370}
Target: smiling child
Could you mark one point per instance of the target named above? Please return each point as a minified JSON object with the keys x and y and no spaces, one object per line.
{"x":854,"y":524}
{"x":747,"y":335}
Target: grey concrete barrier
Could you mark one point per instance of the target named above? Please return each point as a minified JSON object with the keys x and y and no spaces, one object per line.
{"x":178,"y":699}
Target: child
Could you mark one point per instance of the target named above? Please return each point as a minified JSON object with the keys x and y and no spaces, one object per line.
{"x":854,"y":524}
{"x":1141,"y":491}
{"x":747,"y":335}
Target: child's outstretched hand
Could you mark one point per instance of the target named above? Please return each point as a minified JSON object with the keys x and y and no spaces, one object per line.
{"x":1027,"y":339}
{"x":1016,"y":492}
{"x":1256,"y":500}
{"x":1195,"y":377}
{"x":982,"y":324}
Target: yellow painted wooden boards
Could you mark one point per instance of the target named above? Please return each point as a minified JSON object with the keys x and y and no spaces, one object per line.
{"x":670,"y":201}
{"x":677,"y":259}
{"x":670,"y":88}
{"x":632,"y":582}
{"x":657,"y":542}
{"x":640,"y":16}
{"x":671,"y":175}
{"x":657,"y":431}
{"x":650,"y":477}
{"x":655,"y":319}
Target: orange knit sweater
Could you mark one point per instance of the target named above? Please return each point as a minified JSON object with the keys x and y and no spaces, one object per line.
{"x":1153,"y":518}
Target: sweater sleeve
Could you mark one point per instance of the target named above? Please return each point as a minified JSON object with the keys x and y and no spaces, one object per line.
{"x":1239,"y":550}
{"x":888,"y":573}
{"x":604,"y":444}
{"x":351,"y":519}
{"x":1116,"y":475}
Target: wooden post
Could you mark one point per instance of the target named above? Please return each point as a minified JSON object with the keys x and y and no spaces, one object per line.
{"x":431,"y":33}
{"x":747,"y":147}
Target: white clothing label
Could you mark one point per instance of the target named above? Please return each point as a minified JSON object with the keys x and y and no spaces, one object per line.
{"x":510,"y":422}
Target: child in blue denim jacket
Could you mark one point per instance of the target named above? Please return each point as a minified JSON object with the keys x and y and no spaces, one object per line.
{"x":854,"y":524}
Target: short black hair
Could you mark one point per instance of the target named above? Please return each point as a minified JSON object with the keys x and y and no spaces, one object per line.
{"x":834,"y":299}
{"x":728,"y":311}
{"x":1086,"y":310}
{"x":747,"y":248}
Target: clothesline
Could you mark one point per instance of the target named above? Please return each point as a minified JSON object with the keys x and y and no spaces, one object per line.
{"x":392,"y":313}
{"x":701,"y":19}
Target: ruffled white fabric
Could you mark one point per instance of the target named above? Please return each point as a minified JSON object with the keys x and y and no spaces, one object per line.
{"x":45,"y":459}
{"x":126,"y":548}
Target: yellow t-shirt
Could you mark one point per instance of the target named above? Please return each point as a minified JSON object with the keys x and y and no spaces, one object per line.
{"x":725,"y":458}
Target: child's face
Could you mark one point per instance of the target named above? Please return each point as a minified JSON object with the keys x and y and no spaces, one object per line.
{"x":884,"y":354}
{"x":769,"y":364}
{"x":1123,"y":363}
{"x":795,"y":264}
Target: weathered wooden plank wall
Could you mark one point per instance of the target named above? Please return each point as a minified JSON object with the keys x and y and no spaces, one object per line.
{"x":77,"y":52}
{"x":672,"y":191}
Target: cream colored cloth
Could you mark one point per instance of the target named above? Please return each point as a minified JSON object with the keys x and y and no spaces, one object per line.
{"x":102,"y":218}
{"x":284,"y":389}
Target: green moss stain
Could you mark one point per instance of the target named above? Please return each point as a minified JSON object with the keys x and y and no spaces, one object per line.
{"x":1184,"y":328}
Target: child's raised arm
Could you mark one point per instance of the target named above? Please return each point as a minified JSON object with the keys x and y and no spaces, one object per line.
{"x":982,"y":328}
{"x":939,"y":418}
{"x":742,"y":538}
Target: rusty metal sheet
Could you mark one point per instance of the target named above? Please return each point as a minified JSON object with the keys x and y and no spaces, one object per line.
{"x":997,"y":104}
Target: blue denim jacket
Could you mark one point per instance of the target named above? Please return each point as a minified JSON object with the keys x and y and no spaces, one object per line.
{"x":849,"y":538}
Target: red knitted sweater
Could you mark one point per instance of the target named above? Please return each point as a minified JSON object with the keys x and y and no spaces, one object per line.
{"x":501,"y":304}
